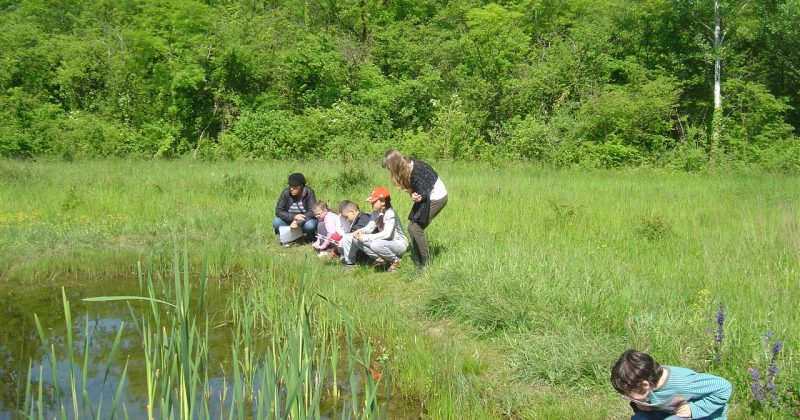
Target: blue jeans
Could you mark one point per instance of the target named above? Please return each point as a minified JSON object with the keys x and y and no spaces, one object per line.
{"x":660,"y":415}
{"x":309,"y":227}
{"x":654,"y":415}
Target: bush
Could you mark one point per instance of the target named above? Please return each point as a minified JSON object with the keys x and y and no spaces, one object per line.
{"x":689,"y":158}
{"x":610,"y":155}
{"x":276,"y":134}
{"x":782,"y":156}
{"x":528,"y":138}
{"x":415,"y":143}
{"x":635,"y":116}
{"x":456,"y":132}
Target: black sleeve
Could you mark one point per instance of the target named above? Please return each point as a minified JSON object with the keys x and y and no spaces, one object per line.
{"x":361,"y":220}
{"x":282,"y":207}
{"x":311,"y":199}
{"x":423,"y":178}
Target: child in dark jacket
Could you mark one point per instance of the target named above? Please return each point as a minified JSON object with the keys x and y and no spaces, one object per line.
{"x":294,"y":207}
{"x":352,"y":220}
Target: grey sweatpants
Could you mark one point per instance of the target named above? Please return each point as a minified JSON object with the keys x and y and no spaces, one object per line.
{"x":388,"y":250}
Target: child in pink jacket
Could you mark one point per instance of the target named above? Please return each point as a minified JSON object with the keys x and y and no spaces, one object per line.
{"x":329,"y":228}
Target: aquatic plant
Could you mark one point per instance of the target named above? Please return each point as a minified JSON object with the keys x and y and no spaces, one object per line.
{"x":284,"y":376}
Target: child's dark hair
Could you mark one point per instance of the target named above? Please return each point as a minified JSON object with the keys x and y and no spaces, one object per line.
{"x":633,"y":368}
{"x":387,"y":202}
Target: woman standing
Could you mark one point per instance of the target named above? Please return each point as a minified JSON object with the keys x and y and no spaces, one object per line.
{"x":428,"y":192}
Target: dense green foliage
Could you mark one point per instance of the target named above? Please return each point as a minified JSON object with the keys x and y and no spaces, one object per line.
{"x":591,"y":83}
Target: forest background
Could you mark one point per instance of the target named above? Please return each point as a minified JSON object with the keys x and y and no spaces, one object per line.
{"x":608,"y":83}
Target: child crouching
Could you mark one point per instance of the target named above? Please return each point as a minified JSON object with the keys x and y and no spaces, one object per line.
{"x":328,"y":229}
{"x":669,"y":392}
{"x":388,"y":241}
{"x":352,"y":219}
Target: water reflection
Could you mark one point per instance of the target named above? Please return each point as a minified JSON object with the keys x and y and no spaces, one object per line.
{"x":95,"y":324}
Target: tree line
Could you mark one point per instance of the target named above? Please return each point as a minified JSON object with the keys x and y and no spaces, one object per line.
{"x":600,"y":83}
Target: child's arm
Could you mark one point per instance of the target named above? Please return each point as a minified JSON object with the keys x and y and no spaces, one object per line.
{"x":330,"y":227}
{"x":711,"y":393}
{"x":389,"y":219}
{"x":371,"y":225}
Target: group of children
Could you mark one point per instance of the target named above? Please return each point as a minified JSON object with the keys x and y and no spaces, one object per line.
{"x":654,"y":391}
{"x":351,"y":234}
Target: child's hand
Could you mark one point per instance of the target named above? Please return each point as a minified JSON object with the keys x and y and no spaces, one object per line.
{"x":293,"y":225}
{"x":416,"y":197}
{"x":357,"y":235}
{"x":684,"y":411}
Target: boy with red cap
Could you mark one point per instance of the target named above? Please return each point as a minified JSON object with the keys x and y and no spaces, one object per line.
{"x":383,"y":238}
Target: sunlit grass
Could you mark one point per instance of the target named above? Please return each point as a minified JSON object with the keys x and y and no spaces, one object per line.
{"x":541,"y":278}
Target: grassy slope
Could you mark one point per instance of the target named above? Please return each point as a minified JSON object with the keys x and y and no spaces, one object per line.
{"x":542,"y":278}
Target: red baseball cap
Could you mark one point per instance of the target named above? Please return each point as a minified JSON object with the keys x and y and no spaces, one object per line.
{"x":379,"y":193}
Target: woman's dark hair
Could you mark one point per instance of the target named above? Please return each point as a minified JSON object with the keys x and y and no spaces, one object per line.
{"x":633,"y":368}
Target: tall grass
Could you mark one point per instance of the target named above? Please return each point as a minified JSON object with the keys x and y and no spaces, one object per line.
{"x":285,"y":375}
{"x":540,"y":278}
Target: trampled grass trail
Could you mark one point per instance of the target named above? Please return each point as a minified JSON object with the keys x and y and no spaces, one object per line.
{"x":540,"y":280}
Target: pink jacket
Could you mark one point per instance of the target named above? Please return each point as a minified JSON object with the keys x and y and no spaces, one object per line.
{"x":331,"y":224}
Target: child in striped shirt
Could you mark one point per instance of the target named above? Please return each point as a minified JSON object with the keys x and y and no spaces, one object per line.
{"x":669,"y":392}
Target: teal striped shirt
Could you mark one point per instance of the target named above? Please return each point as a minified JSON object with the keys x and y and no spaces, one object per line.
{"x":706,"y":394}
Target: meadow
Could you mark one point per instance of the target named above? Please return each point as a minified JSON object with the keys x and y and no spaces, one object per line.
{"x":541,"y":277}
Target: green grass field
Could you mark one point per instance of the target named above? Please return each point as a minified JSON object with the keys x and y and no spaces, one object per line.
{"x":541,"y":278}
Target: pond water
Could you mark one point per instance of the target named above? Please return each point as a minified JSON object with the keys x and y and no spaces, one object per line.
{"x":20,"y":345}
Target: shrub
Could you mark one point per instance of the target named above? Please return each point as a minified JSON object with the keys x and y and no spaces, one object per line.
{"x":237,"y":186}
{"x":529,"y":138}
{"x":610,"y":155}
{"x":652,"y":227}
{"x":689,"y":158}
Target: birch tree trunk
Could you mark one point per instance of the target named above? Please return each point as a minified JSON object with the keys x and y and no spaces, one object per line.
{"x":716,"y":119}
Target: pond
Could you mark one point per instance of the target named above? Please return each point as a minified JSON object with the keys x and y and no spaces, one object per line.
{"x":98,"y":323}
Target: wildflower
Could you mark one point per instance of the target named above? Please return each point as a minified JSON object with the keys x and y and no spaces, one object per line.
{"x":776,"y":348}
{"x":758,"y":391}
{"x":773,"y":370}
{"x":720,"y":323}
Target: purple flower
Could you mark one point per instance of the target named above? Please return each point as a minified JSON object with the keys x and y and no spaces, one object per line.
{"x":720,"y":324}
{"x":773,"y":370}
{"x":776,"y":348}
{"x":758,"y":391}
{"x":768,"y":335}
